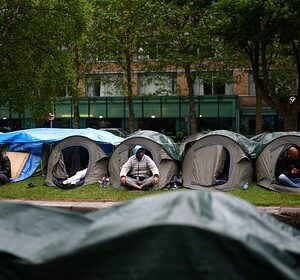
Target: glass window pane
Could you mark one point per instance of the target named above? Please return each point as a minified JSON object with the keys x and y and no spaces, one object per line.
{"x":105,"y":85}
{"x":251,"y":85}
{"x":219,"y":87}
{"x":157,"y":84}
{"x":198,"y":86}
{"x":64,"y":109}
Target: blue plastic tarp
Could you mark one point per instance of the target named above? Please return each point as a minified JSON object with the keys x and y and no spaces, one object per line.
{"x":31,"y":141}
{"x":50,"y":135}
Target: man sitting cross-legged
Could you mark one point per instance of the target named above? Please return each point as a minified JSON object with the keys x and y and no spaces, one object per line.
{"x":142,"y":169}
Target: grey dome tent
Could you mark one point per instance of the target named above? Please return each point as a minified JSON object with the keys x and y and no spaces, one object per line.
{"x":163,"y":151}
{"x":218,"y":159}
{"x":269,"y":147}
{"x":188,"y":141}
{"x":73,"y":154}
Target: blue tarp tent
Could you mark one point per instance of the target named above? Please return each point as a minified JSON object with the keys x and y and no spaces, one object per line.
{"x":32,"y":140}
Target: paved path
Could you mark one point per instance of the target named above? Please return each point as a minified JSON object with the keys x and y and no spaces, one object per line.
{"x":78,"y":206}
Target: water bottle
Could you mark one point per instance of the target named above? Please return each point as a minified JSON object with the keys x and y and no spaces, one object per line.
{"x":103,"y":181}
{"x":175,"y":185}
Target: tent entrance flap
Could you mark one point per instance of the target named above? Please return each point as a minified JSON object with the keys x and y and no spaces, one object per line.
{"x":17,"y":160}
{"x":210,"y":166}
{"x":148,"y":153}
{"x":76,"y":158}
{"x":283,"y":152}
{"x":71,"y":160}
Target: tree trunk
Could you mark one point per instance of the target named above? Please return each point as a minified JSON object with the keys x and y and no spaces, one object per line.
{"x":129,"y":92}
{"x":75,"y":92}
{"x":190,"y":83}
{"x":258,"y":108}
{"x":290,"y":120}
{"x":254,"y":58}
{"x":75,"y":104}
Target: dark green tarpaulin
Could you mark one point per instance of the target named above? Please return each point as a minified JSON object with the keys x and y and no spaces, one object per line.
{"x":183,"y":235}
{"x":164,"y":141}
{"x":264,"y":139}
{"x":248,"y":145}
{"x":270,"y":146}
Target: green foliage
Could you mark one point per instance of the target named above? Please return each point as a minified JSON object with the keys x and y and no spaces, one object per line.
{"x":266,"y":33}
{"x":284,"y":83}
{"x":181,"y":34}
{"x":33,"y":58}
{"x":119,"y":26}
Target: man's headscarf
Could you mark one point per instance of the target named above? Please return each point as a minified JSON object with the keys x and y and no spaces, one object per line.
{"x":137,"y":148}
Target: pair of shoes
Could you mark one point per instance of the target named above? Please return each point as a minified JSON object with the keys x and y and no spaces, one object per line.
{"x":30,"y":185}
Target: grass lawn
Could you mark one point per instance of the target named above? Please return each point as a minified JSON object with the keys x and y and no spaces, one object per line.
{"x":95,"y":192}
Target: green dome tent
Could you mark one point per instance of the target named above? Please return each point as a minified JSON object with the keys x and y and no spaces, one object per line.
{"x":175,"y":235}
{"x":218,"y":159}
{"x":163,"y":151}
{"x":269,"y":147}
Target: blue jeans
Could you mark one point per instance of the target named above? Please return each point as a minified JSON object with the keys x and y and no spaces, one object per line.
{"x":284,"y":180}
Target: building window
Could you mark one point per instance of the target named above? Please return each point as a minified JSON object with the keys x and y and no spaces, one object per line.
{"x":157,"y":84}
{"x":105,"y":85}
{"x":283,"y":82}
{"x":151,"y":51}
{"x":251,"y":85}
{"x":212,"y":86}
{"x":198,"y":86}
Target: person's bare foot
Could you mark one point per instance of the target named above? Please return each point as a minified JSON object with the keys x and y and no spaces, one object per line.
{"x":137,"y":187}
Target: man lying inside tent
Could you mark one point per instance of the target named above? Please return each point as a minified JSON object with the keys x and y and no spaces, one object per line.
{"x":288,"y":168}
{"x":139,"y":172}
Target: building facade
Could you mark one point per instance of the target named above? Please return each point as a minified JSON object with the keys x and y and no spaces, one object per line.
{"x":160,"y":103}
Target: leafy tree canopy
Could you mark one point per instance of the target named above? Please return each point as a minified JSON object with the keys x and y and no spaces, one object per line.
{"x":266,"y":32}
{"x":34,"y":36}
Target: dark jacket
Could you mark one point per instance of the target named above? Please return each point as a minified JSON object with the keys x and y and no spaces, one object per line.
{"x":5,"y":167}
{"x":284,"y":166}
